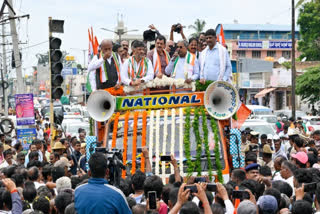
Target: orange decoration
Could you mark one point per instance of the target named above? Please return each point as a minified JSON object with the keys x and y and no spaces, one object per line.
{"x":144,"y":136}
{"x":115,"y":92}
{"x":115,"y":130}
{"x":134,"y":142}
{"x":125,"y":142}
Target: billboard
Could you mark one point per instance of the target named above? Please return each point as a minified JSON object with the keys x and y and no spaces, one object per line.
{"x":26,"y":136}
{"x":24,"y":109}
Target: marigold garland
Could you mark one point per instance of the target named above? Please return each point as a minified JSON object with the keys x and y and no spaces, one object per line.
{"x":187,"y":153}
{"x":196,"y":130}
{"x":134,"y":142}
{"x":144,"y":136}
{"x":125,"y":142}
{"x":115,"y":92}
{"x":115,"y":130}
{"x":217,"y":149}
{"x":206,"y":142}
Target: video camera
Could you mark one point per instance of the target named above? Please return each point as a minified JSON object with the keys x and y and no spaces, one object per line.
{"x":115,"y":165}
{"x":177,"y":28}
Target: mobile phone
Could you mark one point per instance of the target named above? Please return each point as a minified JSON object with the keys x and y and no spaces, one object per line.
{"x":152,"y":195}
{"x":241,"y":194}
{"x":165,"y":158}
{"x":193,"y":188}
{"x":199,"y":179}
{"x":139,"y":150}
{"x":212,"y":187}
{"x":310,"y":187}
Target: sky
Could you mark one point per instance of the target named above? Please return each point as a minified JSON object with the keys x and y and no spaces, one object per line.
{"x":79,"y":15}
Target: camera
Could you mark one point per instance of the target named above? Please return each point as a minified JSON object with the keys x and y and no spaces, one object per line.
{"x":115,"y":165}
{"x":177,"y":28}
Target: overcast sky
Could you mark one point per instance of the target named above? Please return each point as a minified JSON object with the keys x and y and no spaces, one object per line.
{"x":79,"y":15}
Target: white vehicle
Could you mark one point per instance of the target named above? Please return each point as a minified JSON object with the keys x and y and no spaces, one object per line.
{"x":260,"y":126}
{"x":72,"y":127}
{"x":272,"y":119}
{"x":288,"y":113}
{"x":312,"y":123}
{"x":259,"y":110}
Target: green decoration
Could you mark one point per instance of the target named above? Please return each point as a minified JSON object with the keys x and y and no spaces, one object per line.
{"x":203,"y":87}
{"x":187,"y":153}
{"x":205,"y":141}
{"x":91,"y":127}
{"x":198,"y":141}
{"x":216,"y":149}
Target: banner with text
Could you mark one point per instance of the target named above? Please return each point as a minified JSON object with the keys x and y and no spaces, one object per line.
{"x":265,"y":44}
{"x":24,"y":109}
{"x":26,"y":136}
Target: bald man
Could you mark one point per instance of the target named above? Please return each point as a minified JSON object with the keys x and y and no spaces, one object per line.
{"x":104,"y":68}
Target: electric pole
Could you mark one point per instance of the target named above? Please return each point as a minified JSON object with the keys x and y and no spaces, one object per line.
{"x":293,"y":63}
{"x":4,"y":63}
{"x":15,"y":43}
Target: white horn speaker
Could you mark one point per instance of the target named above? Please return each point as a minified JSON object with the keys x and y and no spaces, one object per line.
{"x":101,"y":105}
{"x":221,"y":100}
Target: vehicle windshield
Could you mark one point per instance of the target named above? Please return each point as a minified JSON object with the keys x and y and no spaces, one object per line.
{"x":73,"y":128}
{"x":315,"y":121}
{"x":262,"y":129}
{"x":270,"y":119}
{"x":119,"y":142}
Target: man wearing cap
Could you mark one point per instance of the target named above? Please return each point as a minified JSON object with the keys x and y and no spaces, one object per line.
{"x":267,"y":204}
{"x":253,"y":145}
{"x":300,"y":159}
{"x":252,"y":171}
{"x":59,"y":148}
{"x":267,"y":157}
{"x":277,"y":146}
{"x":247,"y":207}
{"x":269,"y":139}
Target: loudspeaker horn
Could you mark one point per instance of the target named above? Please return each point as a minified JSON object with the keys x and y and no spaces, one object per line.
{"x":101,"y":105}
{"x":221,"y":100}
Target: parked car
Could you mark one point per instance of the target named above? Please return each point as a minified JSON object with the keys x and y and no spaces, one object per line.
{"x":312,"y":123}
{"x":288,"y":113}
{"x":260,"y":126}
{"x":259,"y":110}
{"x":72,"y":127}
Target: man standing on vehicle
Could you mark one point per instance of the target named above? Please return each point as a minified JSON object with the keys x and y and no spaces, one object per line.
{"x":105,"y":67}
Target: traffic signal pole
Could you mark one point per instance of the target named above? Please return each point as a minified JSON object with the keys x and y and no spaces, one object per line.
{"x":52,"y":129}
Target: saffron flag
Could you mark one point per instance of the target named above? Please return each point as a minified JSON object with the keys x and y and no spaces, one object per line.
{"x":221,"y":38}
{"x":92,"y":50}
{"x":242,"y":114}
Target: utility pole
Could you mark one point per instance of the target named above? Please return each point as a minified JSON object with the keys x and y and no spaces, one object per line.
{"x":293,"y":62}
{"x":4,"y":63}
{"x":15,"y":42}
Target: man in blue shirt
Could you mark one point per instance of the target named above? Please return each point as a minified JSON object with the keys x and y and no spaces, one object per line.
{"x":215,"y":63}
{"x":97,"y":196}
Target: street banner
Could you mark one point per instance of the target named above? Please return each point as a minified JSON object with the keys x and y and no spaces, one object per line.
{"x":24,"y":109}
{"x":26,"y":136}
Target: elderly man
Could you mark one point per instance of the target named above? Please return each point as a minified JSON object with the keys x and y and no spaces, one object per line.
{"x":125,"y":46}
{"x":183,"y":65}
{"x":159,"y":57}
{"x":104,"y":69}
{"x":214,"y":60}
{"x":137,"y":69}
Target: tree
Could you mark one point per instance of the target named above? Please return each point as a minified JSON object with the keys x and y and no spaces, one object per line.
{"x":309,"y":19}
{"x":308,"y":85}
{"x":198,"y":27}
{"x":43,"y":59}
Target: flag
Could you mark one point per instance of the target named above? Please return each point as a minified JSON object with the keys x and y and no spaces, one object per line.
{"x":92,"y":50}
{"x":242,"y":114}
{"x":221,"y":36}
{"x":96,"y":45}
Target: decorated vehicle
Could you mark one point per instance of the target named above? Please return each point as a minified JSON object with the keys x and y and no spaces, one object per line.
{"x":189,"y":125}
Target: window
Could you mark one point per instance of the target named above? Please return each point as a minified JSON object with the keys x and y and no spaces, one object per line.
{"x":271,"y":53}
{"x":235,"y":36}
{"x":286,"y":54}
{"x":241,"y":54}
{"x":255,"y":76}
{"x":256,"y":54}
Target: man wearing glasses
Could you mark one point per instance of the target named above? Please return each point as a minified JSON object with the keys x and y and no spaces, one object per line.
{"x":183,"y":64}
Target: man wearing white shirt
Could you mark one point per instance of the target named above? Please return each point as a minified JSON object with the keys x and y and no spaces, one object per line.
{"x":286,"y":172}
{"x":137,"y":69}
{"x":104,"y":69}
{"x":183,"y":65}
{"x":39,"y":132}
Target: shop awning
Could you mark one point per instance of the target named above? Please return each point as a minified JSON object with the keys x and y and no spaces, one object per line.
{"x":264,"y":92}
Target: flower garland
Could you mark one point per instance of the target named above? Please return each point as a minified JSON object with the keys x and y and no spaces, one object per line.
{"x":157,"y":142}
{"x":115,"y":130}
{"x":144,"y":136}
{"x":134,"y":142}
{"x":125,"y":141}
{"x":181,"y":140}
{"x":173,"y":133}
{"x":115,"y":92}
{"x":187,"y":153}
{"x":217,"y":149}
{"x":151,"y":136}
{"x":206,"y":142}
{"x":161,"y":82}
{"x":196,"y":130}
{"x":164,"y":144}
{"x":91,"y":122}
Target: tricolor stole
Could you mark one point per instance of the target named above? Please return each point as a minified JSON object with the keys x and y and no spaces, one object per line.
{"x":188,"y":65}
{"x":143,"y":68}
{"x":160,"y":101}
{"x":104,"y":67}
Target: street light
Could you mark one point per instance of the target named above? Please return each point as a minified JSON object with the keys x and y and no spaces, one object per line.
{"x":119,"y":32}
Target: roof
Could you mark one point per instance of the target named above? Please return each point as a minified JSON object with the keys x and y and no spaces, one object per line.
{"x":256,"y":27}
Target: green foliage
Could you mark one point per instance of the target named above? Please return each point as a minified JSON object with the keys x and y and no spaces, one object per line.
{"x":309,"y":19}
{"x":186,"y":142}
{"x":287,"y":65}
{"x":308,"y":85}
{"x":206,"y":142}
{"x":43,"y":59}
{"x":201,"y":87}
{"x":198,"y":27}
{"x":214,"y":128}
{"x":196,"y":130}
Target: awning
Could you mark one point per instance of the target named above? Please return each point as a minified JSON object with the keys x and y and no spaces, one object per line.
{"x":264,"y":92}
